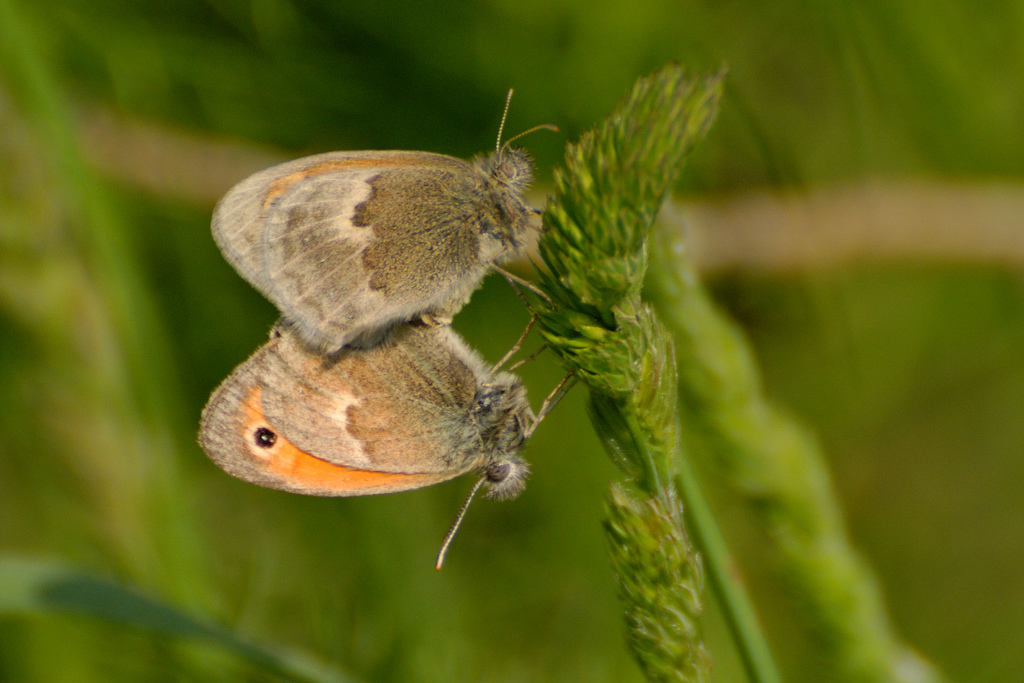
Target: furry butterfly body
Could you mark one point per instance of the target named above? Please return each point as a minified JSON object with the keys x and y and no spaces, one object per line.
{"x":348,"y":244}
{"x":418,"y":408}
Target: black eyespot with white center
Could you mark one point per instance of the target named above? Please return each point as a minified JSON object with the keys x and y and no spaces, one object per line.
{"x":265,"y":438}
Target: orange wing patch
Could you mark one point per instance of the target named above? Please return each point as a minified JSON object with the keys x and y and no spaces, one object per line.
{"x":302,"y":471}
{"x":282,"y":184}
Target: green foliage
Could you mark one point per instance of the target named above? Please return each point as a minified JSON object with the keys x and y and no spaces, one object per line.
{"x":778,"y":468}
{"x":661,"y":583}
{"x":613,"y":183}
{"x":594,"y":246}
{"x":36,"y":588}
{"x":594,"y":249}
{"x":118,"y":316}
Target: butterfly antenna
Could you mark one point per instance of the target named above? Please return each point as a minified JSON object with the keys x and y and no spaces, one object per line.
{"x":501,"y":128}
{"x":446,"y":543}
{"x":498,"y":147}
{"x":544,"y":126}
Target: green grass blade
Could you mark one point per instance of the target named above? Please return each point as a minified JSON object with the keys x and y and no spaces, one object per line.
{"x":34,"y":587}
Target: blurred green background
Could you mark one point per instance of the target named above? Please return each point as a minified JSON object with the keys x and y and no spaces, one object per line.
{"x":120,"y":124}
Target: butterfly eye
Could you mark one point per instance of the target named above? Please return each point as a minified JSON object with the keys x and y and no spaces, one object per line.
{"x":498,"y":473}
{"x":265,"y":438}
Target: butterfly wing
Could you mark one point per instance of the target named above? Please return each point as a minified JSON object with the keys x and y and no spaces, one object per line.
{"x":365,"y":422}
{"x":346,"y":243}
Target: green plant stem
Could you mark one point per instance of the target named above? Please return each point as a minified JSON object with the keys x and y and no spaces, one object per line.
{"x":658,"y":480}
{"x":595,"y":252}
{"x":737,"y":609}
{"x":775,"y":464}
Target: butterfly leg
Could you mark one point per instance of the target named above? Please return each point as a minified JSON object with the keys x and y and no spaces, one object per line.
{"x":518,"y":345}
{"x":436,"y":319}
{"x":522,"y":282}
{"x":556,"y":395}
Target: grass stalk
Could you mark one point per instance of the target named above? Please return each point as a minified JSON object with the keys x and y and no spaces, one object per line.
{"x":595,"y":252}
{"x":773,"y":463}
